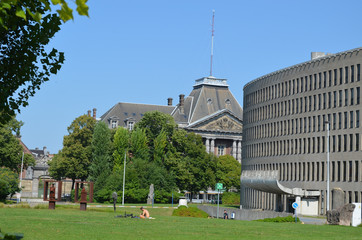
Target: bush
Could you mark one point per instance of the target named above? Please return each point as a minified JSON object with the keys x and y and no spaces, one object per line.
{"x":9,"y":183}
{"x":279,"y":219}
{"x":231,"y":198}
{"x":103,"y":195}
{"x":183,"y":211}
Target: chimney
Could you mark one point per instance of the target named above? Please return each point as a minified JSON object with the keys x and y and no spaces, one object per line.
{"x":169,"y":101}
{"x":94,"y":113}
{"x":45,"y":151}
{"x":89,"y":113}
{"x":182,"y":102}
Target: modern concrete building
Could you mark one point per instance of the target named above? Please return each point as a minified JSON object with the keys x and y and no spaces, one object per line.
{"x":210,"y":110}
{"x":288,"y":115}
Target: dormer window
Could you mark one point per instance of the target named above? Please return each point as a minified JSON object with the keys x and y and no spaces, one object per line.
{"x":130,"y":126}
{"x":114,"y":123}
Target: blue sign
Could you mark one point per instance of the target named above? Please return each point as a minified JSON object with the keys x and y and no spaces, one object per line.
{"x":295,"y":205}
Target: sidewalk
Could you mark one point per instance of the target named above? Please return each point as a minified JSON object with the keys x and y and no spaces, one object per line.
{"x":312,"y":220}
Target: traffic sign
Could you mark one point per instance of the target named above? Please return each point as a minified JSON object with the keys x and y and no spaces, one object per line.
{"x":218,"y":186}
{"x":295,"y":205}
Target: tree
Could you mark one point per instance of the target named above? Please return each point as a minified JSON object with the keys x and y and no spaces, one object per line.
{"x":121,"y":146}
{"x":10,"y":148}
{"x":9,"y":183}
{"x":228,"y":171}
{"x":101,"y":149}
{"x":74,"y":160}
{"x":154,"y":122}
{"x":26,"y":27}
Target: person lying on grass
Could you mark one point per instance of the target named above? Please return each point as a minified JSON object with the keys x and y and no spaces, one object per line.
{"x":145,"y":213}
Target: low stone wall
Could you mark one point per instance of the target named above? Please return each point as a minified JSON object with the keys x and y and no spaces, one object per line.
{"x":242,"y":214}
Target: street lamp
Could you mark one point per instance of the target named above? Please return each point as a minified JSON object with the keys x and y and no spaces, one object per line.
{"x":328,"y":163}
{"x":124,"y":176}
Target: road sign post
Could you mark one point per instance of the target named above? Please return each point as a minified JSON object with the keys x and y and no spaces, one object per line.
{"x":218,"y":187}
{"x":295,"y":206}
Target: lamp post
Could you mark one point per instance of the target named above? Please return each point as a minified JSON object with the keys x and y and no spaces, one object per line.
{"x":124,"y":177}
{"x":328,"y":163}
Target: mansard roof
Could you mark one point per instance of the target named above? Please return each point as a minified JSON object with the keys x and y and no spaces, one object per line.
{"x":209,"y":96}
{"x":135,"y":111}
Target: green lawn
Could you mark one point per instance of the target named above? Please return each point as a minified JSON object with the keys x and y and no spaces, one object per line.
{"x":100,"y":223}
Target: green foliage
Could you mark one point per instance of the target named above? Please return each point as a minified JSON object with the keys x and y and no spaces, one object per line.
{"x":25,"y":12}
{"x":231,"y":198}
{"x":74,"y":159}
{"x":279,"y":219}
{"x":154,"y":122}
{"x":101,"y":149}
{"x":25,"y":64}
{"x":228,"y":171}
{"x":10,"y":148}
{"x":121,"y":145}
{"x":103,"y":195}
{"x":9,"y":183}
{"x":139,"y":144}
{"x":183,"y":211}
{"x":162,"y":196}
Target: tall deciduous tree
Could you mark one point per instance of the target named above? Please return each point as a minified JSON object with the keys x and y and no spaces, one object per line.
{"x":26,"y":27}
{"x":121,"y":146}
{"x":228,"y":171}
{"x":75,"y":157}
{"x":10,"y":148}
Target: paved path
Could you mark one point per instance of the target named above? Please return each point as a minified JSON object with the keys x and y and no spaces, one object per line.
{"x":311,"y":220}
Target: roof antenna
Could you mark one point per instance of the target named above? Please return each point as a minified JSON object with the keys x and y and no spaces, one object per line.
{"x":212,"y":41}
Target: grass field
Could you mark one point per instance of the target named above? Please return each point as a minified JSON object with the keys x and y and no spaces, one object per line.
{"x":67,"y":222}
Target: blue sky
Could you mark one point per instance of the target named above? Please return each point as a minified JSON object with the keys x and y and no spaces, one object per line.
{"x":147,"y":51}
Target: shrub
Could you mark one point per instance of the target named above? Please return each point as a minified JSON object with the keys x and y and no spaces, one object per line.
{"x":279,"y":219}
{"x":231,"y":198}
{"x":183,"y":211}
{"x":9,"y":183}
{"x":103,"y":195}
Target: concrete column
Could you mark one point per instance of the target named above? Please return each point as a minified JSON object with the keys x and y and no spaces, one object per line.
{"x":297,"y":173}
{"x":234,"y":149}
{"x":239,"y":151}
{"x":342,"y":172}
{"x":298,"y":200}
{"x":207,"y":144}
{"x":212,"y":147}
{"x":35,"y":185}
{"x":347,"y":172}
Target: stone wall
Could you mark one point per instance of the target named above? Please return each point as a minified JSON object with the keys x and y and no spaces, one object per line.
{"x":242,"y":214}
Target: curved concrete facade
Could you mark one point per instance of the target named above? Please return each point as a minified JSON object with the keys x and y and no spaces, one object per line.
{"x":285,"y":129}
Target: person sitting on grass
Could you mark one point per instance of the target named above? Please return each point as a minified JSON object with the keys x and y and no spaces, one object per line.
{"x":145,"y":213}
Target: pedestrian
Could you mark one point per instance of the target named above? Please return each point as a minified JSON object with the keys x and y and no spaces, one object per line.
{"x":226,"y":216}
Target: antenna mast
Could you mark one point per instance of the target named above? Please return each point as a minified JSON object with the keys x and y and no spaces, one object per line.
{"x":212,"y":41}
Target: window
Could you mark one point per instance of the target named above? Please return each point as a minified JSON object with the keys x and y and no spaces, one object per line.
{"x":319,"y":80}
{"x":357,"y":141}
{"x":334,"y":121}
{"x":114,"y":123}
{"x":352,"y":73}
{"x":350,"y":142}
{"x":344,"y":142}
{"x":345,"y":97}
{"x":220,"y":150}
{"x":345,"y":120}
{"x":334,"y":99}
{"x":357,"y":95}
{"x":340,"y":75}
{"x":352,"y":96}
{"x":358,"y":72}
{"x":319,"y":101}
{"x":346,"y":74}
{"x":130,"y":125}
{"x":330,"y":77}
{"x":335,"y":77}
{"x":333,"y":143}
{"x":329,"y":99}
{"x":339,"y":120}
{"x":357,"y":119}
{"x":339,"y":143}
{"x":340,"y":98}
{"x":325,"y":79}
{"x":351,"y":119}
